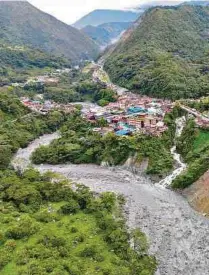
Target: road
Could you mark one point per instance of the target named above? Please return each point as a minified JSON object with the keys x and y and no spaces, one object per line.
{"x":194,"y":112}
{"x":99,"y":75}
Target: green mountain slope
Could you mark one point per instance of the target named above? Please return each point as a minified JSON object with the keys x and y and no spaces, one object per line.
{"x":20,"y":57}
{"x":18,"y":62}
{"x":106,"y":33}
{"x":23,"y":24}
{"x":166,"y":54}
{"x":98,"y":17}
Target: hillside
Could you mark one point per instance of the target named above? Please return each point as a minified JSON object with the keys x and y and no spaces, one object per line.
{"x":99,"y":17}
{"x":198,"y":194}
{"x":20,"y":57}
{"x":106,"y":33}
{"x":23,"y":24}
{"x":165,"y":54}
{"x":18,"y":62}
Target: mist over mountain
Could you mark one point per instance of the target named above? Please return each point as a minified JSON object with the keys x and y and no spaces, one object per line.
{"x":168,"y":3}
{"x":106,"y":33}
{"x":98,"y":17}
{"x":23,"y":24}
{"x":197,"y":3}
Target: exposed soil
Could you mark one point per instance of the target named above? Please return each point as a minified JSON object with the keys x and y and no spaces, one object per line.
{"x":198,"y":194}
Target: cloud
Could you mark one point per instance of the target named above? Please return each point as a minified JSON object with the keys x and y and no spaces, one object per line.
{"x":69,"y":11}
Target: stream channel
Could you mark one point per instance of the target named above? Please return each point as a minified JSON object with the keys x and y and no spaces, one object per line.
{"x":178,"y":236}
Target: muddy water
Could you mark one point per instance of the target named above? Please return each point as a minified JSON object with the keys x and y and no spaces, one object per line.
{"x":179,"y":237}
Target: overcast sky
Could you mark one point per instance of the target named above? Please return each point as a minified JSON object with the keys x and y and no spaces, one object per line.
{"x":71,"y":10}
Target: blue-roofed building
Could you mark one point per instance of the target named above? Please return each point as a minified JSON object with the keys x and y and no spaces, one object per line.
{"x":122,"y":132}
{"x":136,"y":109}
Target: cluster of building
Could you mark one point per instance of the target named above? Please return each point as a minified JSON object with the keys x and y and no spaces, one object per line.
{"x":44,"y":107}
{"x":131,"y":114}
{"x":49,"y":78}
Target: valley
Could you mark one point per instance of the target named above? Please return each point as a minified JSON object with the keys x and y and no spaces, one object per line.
{"x":104,"y":141}
{"x":173,"y":228}
{"x":176,"y":232}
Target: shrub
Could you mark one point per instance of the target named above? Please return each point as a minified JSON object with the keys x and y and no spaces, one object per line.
{"x":52,"y":241}
{"x":10,"y":245}
{"x":73,"y":230}
{"x":70,"y":208}
{"x":25,"y":227}
{"x":4,"y":259}
{"x":89,"y":252}
{"x":46,"y":217}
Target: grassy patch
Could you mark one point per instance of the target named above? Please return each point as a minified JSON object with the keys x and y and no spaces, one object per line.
{"x":201,"y":140}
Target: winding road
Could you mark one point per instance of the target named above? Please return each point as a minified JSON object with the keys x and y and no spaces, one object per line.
{"x":179,"y":237}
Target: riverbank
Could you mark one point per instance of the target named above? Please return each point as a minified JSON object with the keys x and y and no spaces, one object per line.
{"x":178,"y":235}
{"x":198,"y":194}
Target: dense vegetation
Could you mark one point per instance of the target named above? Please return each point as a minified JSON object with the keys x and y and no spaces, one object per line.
{"x":18,"y":126}
{"x":79,"y":144}
{"x":49,"y":228}
{"x":194,"y":147}
{"x":19,"y":62}
{"x":23,"y":24}
{"x":166,"y":55}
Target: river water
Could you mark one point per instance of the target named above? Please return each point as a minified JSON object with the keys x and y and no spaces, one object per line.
{"x":179,"y":237}
{"x":181,"y":166}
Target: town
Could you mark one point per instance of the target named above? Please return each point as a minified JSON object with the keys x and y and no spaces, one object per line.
{"x":48,"y":78}
{"x":44,"y":107}
{"x":131,"y":114}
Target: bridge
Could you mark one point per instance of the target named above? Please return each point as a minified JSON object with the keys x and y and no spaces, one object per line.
{"x":194,"y":112}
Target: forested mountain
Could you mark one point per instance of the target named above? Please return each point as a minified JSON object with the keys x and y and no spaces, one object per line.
{"x":18,"y":62}
{"x":98,"y":17}
{"x":20,"y":57}
{"x":165,"y":54}
{"x":23,"y":24}
{"x":106,"y":33}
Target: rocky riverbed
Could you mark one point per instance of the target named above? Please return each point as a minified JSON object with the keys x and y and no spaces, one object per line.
{"x":179,"y":237}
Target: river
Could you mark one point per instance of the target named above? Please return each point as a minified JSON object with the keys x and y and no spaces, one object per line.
{"x":179,"y":237}
{"x":180,"y":165}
